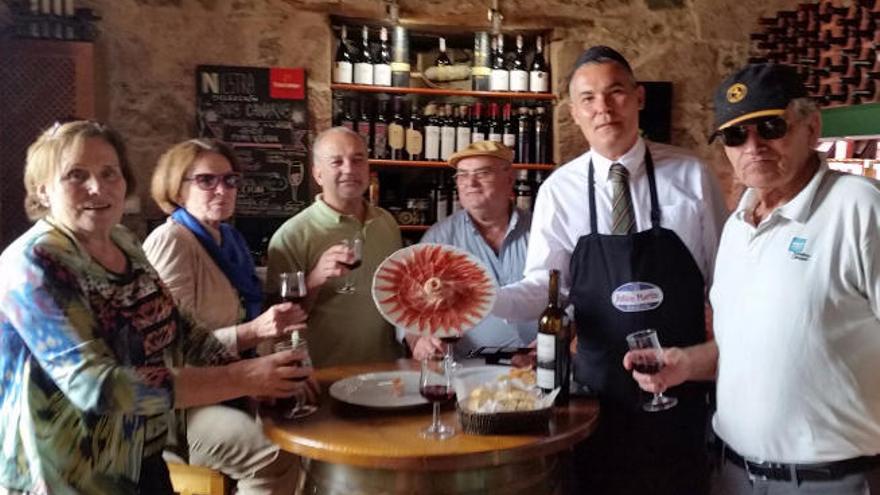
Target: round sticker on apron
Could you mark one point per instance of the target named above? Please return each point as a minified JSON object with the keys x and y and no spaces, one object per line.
{"x":633,"y":297}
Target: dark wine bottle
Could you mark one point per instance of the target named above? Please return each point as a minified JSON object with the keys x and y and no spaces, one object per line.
{"x":442,"y":57}
{"x":522,"y":191}
{"x":382,"y":64}
{"x":479,"y":131}
{"x":463,"y":128}
{"x":539,"y":74}
{"x":523,"y":136}
{"x":363,"y":67}
{"x":432,"y":133}
{"x":493,"y":125}
{"x":541,"y":153}
{"x":500,"y":73}
{"x":447,"y":132}
{"x":554,"y":338}
{"x":365,"y":126}
{"x":396,"y":131}
{"x":519,"y":77}
{"x":508,"y":128}
{"x":415,"y":135}
{"x":342,"y":67}
{"x":347,"y":119}
{"x":400,"y":58}
{"x":380,"y":131}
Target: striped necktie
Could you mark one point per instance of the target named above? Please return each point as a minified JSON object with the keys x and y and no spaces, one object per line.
{"x":622,"y":217}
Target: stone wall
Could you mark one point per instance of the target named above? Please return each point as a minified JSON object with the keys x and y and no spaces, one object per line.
{"x":148,"y":51}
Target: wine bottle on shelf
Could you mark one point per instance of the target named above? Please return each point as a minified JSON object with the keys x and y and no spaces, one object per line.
{"x":382,"y":64}
{"x":481,"y":73}
{"x":519,"y":77}
{"x":396,"y":131}
{"x":442,"y":57}
{"x":479,"y":130}
{"x":442,"y":196}
{"x":400,"y":58}
{"x":522,"y":191}
{"x":365,"y":126}
{"x":523,"y":136}
{"x":342,"y":67}
{"x":432,"y":133}
{"x":539,"y":75}
{"x":493,"y":124}
{"x":380,"y":131}
{"x":541,"y":153}
{"x":508,"y":128}
{"x":348,"y":113}
{"x":500,"y":73}
{"x":554,"y":338}
{"x":415,"y":135}
{"x":463,"y":128}
{"x":447,"y":132}
{"x":363,"y":67}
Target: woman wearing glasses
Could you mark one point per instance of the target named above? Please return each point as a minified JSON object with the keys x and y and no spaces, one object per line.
{"x":93,"y":351}
{"x":207,"y":267}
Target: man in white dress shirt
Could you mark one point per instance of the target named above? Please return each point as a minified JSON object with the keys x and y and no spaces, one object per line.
{"x":797,"y":304}
{"x":626,"y":221}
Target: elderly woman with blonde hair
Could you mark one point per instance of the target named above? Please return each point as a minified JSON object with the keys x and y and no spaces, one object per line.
{"x":208,"y":268}
{"x":93,"y":351}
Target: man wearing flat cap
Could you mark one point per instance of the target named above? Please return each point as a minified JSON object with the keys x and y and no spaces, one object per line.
{"x":797,"y":304}
{"x":633,"y":228}
{"x":492,"y":229}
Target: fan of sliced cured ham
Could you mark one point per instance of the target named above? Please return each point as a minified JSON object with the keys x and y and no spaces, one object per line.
{"x":433,"y":290}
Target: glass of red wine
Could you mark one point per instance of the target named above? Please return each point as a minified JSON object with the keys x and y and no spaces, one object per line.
{"x":435,"y":385}
{"x":356,"y":244}
{"x":292,"y":287}
{"x":648,"y":359}
{"x":295,"y":406}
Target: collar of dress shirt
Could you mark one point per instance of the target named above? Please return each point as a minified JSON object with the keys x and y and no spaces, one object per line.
{"x":633,"y":160}
{"x":797,"y":208}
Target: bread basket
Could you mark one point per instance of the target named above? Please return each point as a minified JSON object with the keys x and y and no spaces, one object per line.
{"x":505,"y":423}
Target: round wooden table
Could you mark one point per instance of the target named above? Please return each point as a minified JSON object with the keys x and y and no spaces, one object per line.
{"x":352,"y":450}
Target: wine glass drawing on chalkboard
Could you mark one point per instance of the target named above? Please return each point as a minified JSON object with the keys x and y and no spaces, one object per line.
{"x":296,"y":175}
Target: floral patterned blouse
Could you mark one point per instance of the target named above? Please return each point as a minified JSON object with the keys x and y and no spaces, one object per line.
{"x":87,"y":362}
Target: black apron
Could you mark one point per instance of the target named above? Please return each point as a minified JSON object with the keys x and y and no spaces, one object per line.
{"x":621,"y":284}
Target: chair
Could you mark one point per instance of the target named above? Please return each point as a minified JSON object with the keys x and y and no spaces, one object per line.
{"x":196,"y":480}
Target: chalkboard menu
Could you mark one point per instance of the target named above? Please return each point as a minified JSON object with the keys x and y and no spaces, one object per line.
{"x":263,"y":114}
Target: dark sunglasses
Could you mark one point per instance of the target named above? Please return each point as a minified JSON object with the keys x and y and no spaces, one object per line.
{"x":737,"y":135}
{"x":208,"y":182}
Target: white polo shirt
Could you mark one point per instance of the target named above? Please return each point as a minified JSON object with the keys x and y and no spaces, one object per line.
{"x":797,"y":320}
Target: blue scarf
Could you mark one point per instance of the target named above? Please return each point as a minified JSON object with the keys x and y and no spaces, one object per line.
{"x":232,"y":256}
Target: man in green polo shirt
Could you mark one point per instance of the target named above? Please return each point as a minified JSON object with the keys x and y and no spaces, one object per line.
{"x":342,"y":328}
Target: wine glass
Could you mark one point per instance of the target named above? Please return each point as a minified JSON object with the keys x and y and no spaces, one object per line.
{"x":295,"y":407}
{"x":356,"y":244}
{"x":648,"y":359}
{"x":292,"y":287}
{"x":435,"y":384}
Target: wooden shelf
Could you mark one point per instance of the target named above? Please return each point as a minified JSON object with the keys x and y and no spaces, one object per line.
{"x":508,"y":95}
{"x":414,"y":228}
{"x":433,"y":164}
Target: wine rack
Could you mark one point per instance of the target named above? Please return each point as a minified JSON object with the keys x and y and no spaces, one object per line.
{"x":835,"y":48}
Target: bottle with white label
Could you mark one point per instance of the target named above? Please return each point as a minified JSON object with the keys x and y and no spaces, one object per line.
{"x":494,"y":125}
{"x":519,"y":77}
{"x":432,"y":133}
{"x":500,"y":79}
{"x":447,"y":132}
{"x":342,"y":67}
{"x":508,"y":128}
{"x":463,"y":128}
{"x":363,"y":67}
{"x":539,"y":74}
{"x":382,"y":64}
{"x":554,"y":358}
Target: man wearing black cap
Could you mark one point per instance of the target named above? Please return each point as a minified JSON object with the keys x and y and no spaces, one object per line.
{"x":797,"y":304}
{"x":633,"y":228}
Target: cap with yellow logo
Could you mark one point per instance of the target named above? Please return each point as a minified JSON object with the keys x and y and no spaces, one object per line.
{"x":756,"y":91}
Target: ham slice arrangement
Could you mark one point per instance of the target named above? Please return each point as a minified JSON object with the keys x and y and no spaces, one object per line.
{"x":433,"y":290}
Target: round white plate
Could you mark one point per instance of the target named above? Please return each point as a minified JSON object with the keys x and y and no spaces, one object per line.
{"x":433,"y":290}
{"x":376,"y":390}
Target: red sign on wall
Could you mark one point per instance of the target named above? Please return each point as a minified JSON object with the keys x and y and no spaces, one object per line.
{"x":287,"y":84}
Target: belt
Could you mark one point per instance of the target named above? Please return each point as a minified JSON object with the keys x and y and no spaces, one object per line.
{"x":778,"y":471}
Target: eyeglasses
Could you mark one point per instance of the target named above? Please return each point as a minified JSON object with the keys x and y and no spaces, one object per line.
{"x":208,"y":182}
{"x":481,"y":174}
{"x":737,"y":135}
